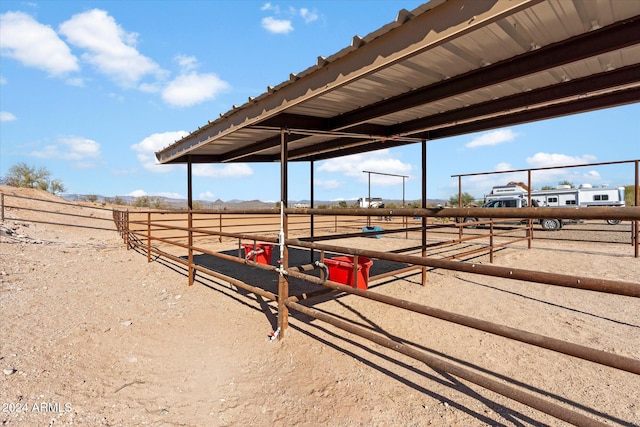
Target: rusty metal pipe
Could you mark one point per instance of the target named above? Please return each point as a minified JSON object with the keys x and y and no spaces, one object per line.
{"x":439,"y":364}
{"x":599,"y":285}
{"x":575,"y":350}
{"x":629,"y":213}
{"x":258,"y":291}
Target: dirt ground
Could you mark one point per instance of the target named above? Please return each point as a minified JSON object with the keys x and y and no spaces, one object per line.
{"x":93,"y":335}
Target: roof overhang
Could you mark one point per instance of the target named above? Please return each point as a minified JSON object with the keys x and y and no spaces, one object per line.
{"x":447,"y":68}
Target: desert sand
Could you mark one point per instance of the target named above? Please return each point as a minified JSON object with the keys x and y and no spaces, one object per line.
{"x":93,"y":335}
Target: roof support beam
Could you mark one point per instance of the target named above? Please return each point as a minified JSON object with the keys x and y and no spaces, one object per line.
{"x":449,"y":20}
{"x":580,"y":106}
{"x":597,"y":42}
{"x":578,"y":87}
{"x":557,"y":110}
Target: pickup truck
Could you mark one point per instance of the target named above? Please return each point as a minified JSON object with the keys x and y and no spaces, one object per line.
{"x":516,"y":202}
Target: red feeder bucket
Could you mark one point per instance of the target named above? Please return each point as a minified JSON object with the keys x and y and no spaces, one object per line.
{"x":341,"y":270}
{"x":260,"y":252}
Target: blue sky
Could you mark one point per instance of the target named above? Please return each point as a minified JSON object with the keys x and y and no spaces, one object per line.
{"x":91,"y":89}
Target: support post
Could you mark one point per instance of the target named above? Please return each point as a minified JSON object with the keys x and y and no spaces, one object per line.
{"x":529,"y":221}
{"x":424,"y":206}
{"x":460,"y":206}
{"x":148,"y":236}
{"x":635,"y":228}
{"x":311,"y":220}
{"x":126,"y":230}
{"x":283,"y":283}
{"x":369,"y":195}
{"x":190,"y":219}
{"x":405,"y":220}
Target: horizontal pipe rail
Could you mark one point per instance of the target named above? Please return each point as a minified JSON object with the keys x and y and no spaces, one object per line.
{"x":92,"y":227}
{"x":597,"y":356}
{"x":55,"y":202}
{"x":438,"y":364}
{"x":243,"y":236}
{"x":599,"y":285}
{"x":231,"y":280}
{"x":629,"y":213}
{"x":59,"y":213}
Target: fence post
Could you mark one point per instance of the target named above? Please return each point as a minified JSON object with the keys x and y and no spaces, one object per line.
{"x":2,"y":203}
{"x":126,"y":229}
{"x":491,"y":241}
{"x":148,"y":236}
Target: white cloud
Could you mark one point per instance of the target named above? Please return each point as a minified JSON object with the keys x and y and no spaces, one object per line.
{"x":3,"y":81}
{"x":503,"y":166}
{"x":269,"y":6}
{"x":376,"y":161}
{"x":6,"y":116}
{"x":137,"y":193}
{"x":277,"y":26}
{"x":147,"y":148}
{"x":193,"y":88}
{"x":186,"y":63}
{"x":232,"y":170}
{"x":280,"y":21}
{"x":593,"y":175}
{"x":308,"y":15}
{"x":542,"y":160}
{"x":80,"y":148}
{"x":492,"y":138}
{"x":34,"y":44}
{"x":109,"y":48}
{"x":576,"y":176}
{"x":81,"y":151}
{"x":207,"y":195}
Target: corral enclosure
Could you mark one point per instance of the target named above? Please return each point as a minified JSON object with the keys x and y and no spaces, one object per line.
{"x":601,"y":321}
{"x":335,"y":108}
{"x":492,"y":312}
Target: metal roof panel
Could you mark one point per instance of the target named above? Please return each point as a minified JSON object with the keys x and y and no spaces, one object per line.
{"x":444,"y":64}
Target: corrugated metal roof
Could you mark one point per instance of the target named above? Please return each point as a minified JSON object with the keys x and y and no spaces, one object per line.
{"x":446,"y":68}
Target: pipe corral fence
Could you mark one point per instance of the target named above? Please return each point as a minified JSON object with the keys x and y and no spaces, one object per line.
{"x":185,"y":236}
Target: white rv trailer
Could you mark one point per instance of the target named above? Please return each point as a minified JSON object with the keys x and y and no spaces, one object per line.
{"x":564,"y":196}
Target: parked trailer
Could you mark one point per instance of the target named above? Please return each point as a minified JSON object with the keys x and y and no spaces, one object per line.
{"x":565,"y":196}
{"x":513,"y":201}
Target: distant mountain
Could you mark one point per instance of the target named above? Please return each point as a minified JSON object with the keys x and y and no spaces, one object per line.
{"x":171,"y":203}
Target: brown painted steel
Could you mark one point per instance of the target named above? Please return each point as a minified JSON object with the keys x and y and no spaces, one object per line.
{"x":576,"y":350}
{"x":629,"y":213}
{"x":438,"y":364}
{"x":600,"y":285}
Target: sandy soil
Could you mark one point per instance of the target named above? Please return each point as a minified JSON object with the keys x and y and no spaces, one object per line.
{"x":92,"y":334}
